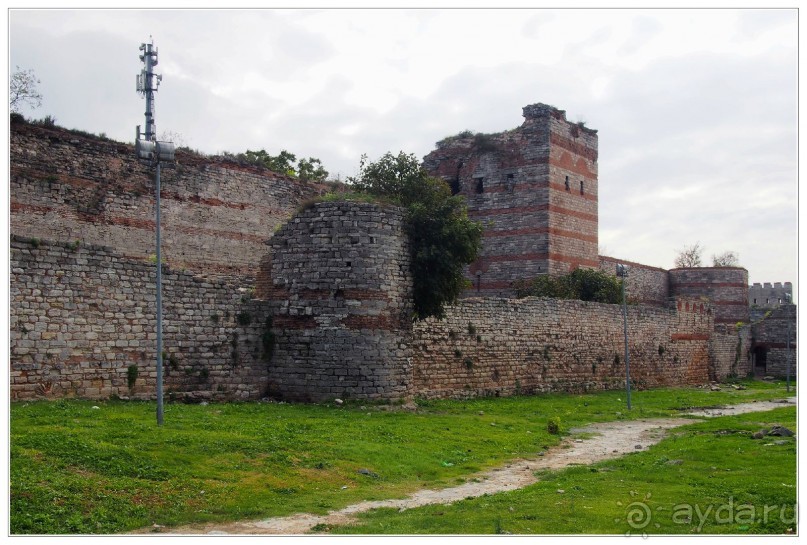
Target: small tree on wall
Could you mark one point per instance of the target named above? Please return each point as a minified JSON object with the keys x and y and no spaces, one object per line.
{"x":726,"y":259}
{"x":689,"y":256}
{"x":442,"y":237}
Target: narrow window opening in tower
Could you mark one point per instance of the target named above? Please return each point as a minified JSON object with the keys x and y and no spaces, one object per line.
{"x":511,"y":182}
{"x":582,"y":189}
{"x":455,"y":186}
{"x":480,"y":185}
{"x":568,"y":185}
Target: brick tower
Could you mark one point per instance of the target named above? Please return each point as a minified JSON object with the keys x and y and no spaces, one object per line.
{"x":533,"y":188}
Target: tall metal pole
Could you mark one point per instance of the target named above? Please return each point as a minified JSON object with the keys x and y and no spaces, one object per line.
{"x":622,"y":272}
{"x":159,"y":303}
{"x":154,"y":153}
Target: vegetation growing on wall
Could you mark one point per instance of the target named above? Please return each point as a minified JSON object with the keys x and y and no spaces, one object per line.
{"x":305,"y":169}
{"x":442,"y":237}
{"x":582,"y":284}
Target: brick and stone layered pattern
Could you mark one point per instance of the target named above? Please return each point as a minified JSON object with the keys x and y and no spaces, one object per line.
{"x":489,"y":346}
{"x":82,"y":315}
{"x":645,"y":285}
{"x":767,"y":296}
{"x":339,"y":284}
{"x":771,"y":335}
{"x":68,"y":187}
{"x":725,"y":287}
{"x":534,"y":189}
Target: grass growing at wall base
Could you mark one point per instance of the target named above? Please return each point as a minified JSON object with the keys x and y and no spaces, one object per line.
{"x":78,"y":469}
{"x":706,"y":478}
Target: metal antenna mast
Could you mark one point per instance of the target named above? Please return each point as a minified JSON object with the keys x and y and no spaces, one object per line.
{"x":154,"y":153}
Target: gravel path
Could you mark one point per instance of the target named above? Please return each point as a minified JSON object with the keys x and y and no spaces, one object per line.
{"x":608,"y":440}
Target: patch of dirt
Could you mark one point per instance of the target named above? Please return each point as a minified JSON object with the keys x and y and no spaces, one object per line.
{"x":607,"y":440}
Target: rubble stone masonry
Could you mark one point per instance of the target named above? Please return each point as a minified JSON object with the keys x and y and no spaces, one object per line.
{"x":82,"y":316}
{"x":340,"y":290}
{"x":490,"y":346}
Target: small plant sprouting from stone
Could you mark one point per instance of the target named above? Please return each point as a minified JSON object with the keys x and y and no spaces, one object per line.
{"x":452,"y":335}
{"x":479,"y":338}
{"x":131,"y":375}
{"x":204,"y":374}
{"x":244,"y":318}
{"x":74,"y":245}
{"x":214,"y":318}
{"x":661,"y":350}
{"x":616,"y":359}
{"x":173,"y":361}
{"x":547,"y":355}
{"x":518,"y":387}
{"x":471,"y":329}
{"x":469,"y":363}
{"x":457,"y":353}
{"x":35,"y":242}
{"x":553,"y":425}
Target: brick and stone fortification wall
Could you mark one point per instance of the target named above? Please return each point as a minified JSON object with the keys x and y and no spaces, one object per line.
{"x":770,"y":338}
{"x":729,"y":352}
{"x":767,"y":296}
{"x":645,"y":285}
{"x":725,"y":287}
{"x":534,"y":189}
{"x":490,"y":346}
{"x":81,"y":316}
{"x":65,"y":186}
{"x":340,"y":289}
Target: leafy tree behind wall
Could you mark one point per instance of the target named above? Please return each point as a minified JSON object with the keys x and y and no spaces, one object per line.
{"x":442,"y":237}
{"x":582,"y":284}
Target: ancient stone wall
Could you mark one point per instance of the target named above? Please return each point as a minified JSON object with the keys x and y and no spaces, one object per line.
{"x":488,"y":346}
{"x":729,"y":352}
{"x":645,"y":285}
{"x":82,"y":316}
{"x":338,"y":282}
{"x":725,"y":287}
{"x":770,"y":338}
{"x":767,"y":296}
{"x":68,"y":187}
{"x":534,"y":188}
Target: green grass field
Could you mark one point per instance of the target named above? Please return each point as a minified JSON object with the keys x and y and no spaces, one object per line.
{"x":709,"y":478}
{"x":79,"y":469}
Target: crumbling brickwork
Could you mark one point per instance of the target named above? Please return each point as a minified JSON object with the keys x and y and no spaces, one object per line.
{"x":81,"y":316}
{"x":65,"y":186}
{"x":340,"y":290}
{"x":534,"y":188}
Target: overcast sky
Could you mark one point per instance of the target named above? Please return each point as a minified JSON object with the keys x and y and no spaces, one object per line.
{"x":696,"y":109}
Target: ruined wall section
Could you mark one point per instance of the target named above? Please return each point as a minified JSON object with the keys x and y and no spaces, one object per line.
{"x":68,"y":187}
{"x":340,"y":289}
{"x":488,"y":346}
{"x":646,"y":285}
{"x":725,"y":287}
{"x":82,"y":316}
{"x":772,"y":334}
{"x":514,"y":184}
{"x":729,"y":352}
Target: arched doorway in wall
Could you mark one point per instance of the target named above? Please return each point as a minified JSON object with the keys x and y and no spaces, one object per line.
{"x":760,"y":361}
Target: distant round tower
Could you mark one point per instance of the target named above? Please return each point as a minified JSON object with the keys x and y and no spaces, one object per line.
{"x":725,"y":287}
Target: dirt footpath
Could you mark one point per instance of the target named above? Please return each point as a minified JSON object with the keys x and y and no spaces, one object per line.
{"x":608,"y":440}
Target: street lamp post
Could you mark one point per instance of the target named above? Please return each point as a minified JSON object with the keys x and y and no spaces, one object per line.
{"x":622,"y":272}
{"x":787,"y":317}
{"x":153,"y":152}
